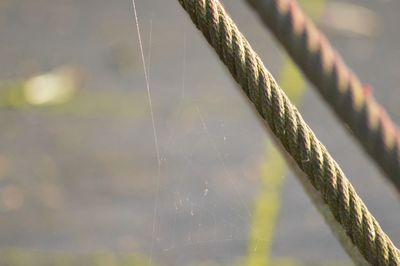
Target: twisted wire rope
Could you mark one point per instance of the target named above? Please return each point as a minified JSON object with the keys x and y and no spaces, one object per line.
{"x":353,"y":103}
{"x":294,"y":134}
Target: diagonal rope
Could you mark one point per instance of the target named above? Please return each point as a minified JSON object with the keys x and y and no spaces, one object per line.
{"x":339,"y":86}
{"x":286,"y":123}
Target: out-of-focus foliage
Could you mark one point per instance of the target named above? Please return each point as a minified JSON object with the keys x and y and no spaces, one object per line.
{"x":56,"y":87}
{"x":53,"y":88}
{"x":14,"y":257}
{"x":273,"y":170}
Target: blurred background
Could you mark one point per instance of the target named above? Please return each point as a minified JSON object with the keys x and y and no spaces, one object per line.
{"x":80,"y":181}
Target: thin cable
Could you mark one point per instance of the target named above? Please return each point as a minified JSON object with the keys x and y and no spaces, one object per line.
{"x":154,"y":128}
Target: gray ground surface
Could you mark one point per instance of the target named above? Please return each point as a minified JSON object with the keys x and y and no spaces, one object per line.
{"x":89,"y":181}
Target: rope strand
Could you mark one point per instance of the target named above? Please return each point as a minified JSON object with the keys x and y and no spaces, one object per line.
{"x":293,"y":133}
{"x":339,"y":86}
